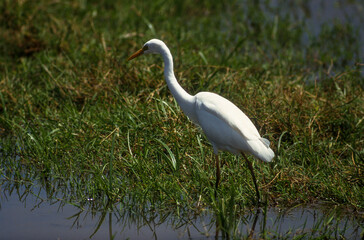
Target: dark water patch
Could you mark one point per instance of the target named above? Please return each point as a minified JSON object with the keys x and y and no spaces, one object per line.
{"x":328,"y":33}
{"x":30,"y":216}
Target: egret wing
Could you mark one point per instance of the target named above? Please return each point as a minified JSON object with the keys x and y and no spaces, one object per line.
{"x":228,"y":112}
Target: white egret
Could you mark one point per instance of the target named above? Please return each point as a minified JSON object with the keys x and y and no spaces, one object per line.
{"x":224,"y":124}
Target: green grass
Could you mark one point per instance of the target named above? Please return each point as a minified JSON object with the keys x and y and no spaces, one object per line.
{"x":78,"y":119}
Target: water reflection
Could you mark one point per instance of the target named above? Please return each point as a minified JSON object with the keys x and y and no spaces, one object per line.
{"x":27,"y":215}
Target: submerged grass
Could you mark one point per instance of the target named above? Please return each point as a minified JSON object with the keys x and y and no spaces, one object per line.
{"x":77,"y":118}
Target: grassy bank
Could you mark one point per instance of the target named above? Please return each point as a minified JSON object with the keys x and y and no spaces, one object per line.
{"x":78,"y":119}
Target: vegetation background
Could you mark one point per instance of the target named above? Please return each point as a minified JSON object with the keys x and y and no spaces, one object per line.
{"x":80,"y":122}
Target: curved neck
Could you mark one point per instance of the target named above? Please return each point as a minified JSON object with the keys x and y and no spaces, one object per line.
{"x":184,"y":100}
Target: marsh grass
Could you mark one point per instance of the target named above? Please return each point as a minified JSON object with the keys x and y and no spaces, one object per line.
{"x":78,"y":119}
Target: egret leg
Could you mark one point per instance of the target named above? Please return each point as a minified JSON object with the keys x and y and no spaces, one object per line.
{"x":251,"y":233}
{"x":217,"y":173}
{"x":250,"y":166}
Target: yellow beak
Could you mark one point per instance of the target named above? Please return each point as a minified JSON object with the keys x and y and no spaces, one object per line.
{"x":136,"y":54}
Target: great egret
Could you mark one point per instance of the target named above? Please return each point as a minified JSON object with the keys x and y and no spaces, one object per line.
{"x":225,"y":125}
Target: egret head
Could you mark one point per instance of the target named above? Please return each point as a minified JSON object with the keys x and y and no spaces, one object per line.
{"x":152,"y":46}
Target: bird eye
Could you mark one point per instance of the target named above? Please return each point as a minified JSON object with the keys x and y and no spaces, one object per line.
{"x":145,"y":48}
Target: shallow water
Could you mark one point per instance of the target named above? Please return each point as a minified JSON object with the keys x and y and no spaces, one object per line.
{"x":320,"y":20}
{"x":318,"y":14}
{"x":32,"y":218}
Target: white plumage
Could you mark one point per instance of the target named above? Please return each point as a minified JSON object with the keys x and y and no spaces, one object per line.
{"x":224,"y":124}
{"x":228,"y":128}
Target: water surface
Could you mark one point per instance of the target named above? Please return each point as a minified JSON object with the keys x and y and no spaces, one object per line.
{"x":24,"y":215}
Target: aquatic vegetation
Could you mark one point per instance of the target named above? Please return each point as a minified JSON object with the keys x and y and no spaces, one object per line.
{"x":79,"y":122}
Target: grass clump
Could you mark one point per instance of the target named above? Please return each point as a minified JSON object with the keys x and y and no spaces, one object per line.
{"x":75,"y":117}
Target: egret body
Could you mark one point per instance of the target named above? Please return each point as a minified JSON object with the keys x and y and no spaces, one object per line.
{"x":224,"y":124}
